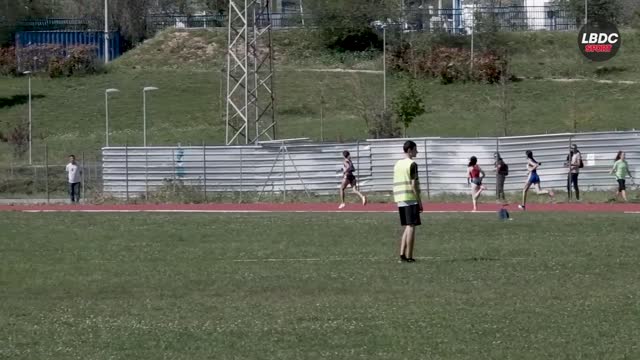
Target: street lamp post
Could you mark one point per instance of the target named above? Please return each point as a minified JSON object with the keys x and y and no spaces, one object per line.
{"x":586,"y":12}
{"x":106,"y":31}
{"x":106,"y":111}
{"x":30,"y":135}
{"x":384,"y":66}
{"x":473,"y":30}
{"x":144,"y":112}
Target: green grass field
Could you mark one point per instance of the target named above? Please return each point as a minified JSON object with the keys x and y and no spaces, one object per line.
{"x":68,"y":114}
{"x":187,"y":109}
{"x":200,"y":287}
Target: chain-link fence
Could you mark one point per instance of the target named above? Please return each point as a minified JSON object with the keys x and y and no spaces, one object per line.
{"x":428,"y":19}
{"x":45,"y":179}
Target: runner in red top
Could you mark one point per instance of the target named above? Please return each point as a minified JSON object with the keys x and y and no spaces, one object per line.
{"x":474,"y":177}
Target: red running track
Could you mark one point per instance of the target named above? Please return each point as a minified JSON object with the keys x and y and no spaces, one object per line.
{"x":317,"y":207}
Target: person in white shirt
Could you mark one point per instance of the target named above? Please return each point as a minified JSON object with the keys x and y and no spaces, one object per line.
{"x":74,"y":172}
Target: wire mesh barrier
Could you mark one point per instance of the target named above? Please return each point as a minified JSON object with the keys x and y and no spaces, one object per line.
{"x":278,"y":167}
{"x":157,"y":23}
{"x":443,"y":161}
{"x":429,"y":19}
{"x":305,"y":168}
{"x":45,"y":180}
{"x":57,"y":24}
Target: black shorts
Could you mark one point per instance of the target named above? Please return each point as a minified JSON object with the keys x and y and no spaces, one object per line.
{"x":410,"y":215}
{"x":351,"y":179}
{"x":621,"y":185}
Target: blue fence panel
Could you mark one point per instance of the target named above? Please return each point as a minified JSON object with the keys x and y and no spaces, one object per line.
{"x":72,"y":38}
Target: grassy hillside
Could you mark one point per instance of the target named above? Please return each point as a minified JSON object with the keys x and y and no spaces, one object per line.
{"x":186,"y":66}
{"x":533,"y":54}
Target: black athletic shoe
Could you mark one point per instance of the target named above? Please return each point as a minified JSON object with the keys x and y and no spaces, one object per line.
{"x":403,"y":258}
{"x":411,"y":260}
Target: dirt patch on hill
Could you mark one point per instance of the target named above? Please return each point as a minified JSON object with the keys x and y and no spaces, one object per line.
{"x":174,"y":48}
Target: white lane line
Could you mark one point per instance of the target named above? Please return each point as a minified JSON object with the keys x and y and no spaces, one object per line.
{"x":247,"y":211}
{"x":432,"y":258}
{"x":144,"y":210}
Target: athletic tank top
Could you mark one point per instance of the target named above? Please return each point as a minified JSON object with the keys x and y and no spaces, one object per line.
{"x":475,"y":172}
{"x":349,"y":168}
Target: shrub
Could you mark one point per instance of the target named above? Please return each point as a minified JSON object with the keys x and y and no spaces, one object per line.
{"x":56,"y":68}
{"x":447,"y":64}
{"x":408,"y":105}
{"x":383,"y":125}
{"x":18,"y":137}
{"x":58,"y":61}
{"x":37,"y":57}
{"x":635,"y":20}
{"x":347,"y":25}
{"x":81,"y":60}
{"x":8,"y":64}
{"x":354,"y":39}
{"x":487,"y":67}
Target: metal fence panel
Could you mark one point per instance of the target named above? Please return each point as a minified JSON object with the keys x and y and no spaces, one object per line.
{"x":316,"y":168}
{"x":598,"y":152}
{"x":272,"y":168}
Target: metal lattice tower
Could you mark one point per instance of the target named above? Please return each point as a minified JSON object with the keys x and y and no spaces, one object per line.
{"x":250,"y":114}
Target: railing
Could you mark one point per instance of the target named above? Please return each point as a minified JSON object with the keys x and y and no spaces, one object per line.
{"x":56,"y":24}
{"x":459,"y":21}
{"x":315,"y":168}
{"x":45,"y":179}
{"x":160,"y":22}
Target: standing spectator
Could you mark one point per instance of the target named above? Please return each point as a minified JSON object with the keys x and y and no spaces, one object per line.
{"x":621,"y":170}
{"x":502,"y":171}
{"x":406,"y":193}
{"x":575,"y":163}
{"x":74,"y":172}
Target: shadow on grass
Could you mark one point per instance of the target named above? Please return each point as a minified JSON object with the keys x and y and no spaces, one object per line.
{"x":17,"y":100}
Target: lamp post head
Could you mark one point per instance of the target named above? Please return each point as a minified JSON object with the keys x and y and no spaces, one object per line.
{"x":27,"y":72}
{"x":149,"y":88}
{"x":108,"y":91}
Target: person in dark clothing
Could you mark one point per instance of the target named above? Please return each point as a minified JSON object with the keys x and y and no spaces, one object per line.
{"x":574,"y":162}
{"x":502,"y":170}
{"x":349,"y":179}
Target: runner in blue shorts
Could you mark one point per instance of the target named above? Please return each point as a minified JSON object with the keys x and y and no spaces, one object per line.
{"x":532,"y":179}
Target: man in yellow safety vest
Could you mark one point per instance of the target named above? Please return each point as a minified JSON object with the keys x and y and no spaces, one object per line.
{"x":406,"y":193}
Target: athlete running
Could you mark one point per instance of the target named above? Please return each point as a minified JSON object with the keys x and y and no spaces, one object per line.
{"x":475,"y":174}
{"x":348,"y":179}
{"x":532,"y":179}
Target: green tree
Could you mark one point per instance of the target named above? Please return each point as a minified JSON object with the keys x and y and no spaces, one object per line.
{"x":408,"y":105}
{"x":13,"y":11}
{"x":346,"y":25}
{"x":610,"y":10}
